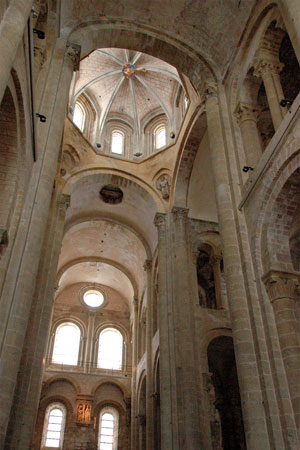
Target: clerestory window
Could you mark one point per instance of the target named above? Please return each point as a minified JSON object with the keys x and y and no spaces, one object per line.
{"x":66,"y":344}
{"x":117,"y":142}
{"x":110,"y":351}
{"x":160,"y":137}
{"x":79,"y":116}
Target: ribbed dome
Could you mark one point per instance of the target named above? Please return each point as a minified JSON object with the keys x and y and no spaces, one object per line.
{"x":130,"y":86}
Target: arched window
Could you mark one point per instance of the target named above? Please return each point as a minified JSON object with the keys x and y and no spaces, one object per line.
{"x":117,"y":142}
{"x":185,"y":102}
{"x":160,"y":137}
{"x":108,"y":429}
{"x":66,"y":344}
{"x":54,"y":426}
{"x":79,"y":116}
{"x":110,"y":351}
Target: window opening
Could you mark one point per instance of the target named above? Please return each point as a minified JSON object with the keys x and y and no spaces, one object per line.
{"x":186,"y":102}
{"x":93,"y":298}
{"x":117,"y":142}
{"x":108,"y":430}
{"x":160,"y":138}
{"x":54,"y":426}
{"x":79,"y":116}
{"x":66,"y":344}
{"x":110,"y":349}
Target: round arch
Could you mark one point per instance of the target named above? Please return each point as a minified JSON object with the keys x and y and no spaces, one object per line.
{"x":119,"y":178}
{"x":94,"y":33}
{"x":66,"y":378}
{"x":118,"y":384}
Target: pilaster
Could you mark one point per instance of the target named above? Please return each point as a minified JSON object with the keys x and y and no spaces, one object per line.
{"x":283,"y":292}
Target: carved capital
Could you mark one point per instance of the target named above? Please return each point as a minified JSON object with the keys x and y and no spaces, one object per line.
{"x":215,"y":258}
{"x":159,"y":219}
{"x":147,"y":265}
{"x":180,"y":213}
{"x":245,"y":111}
{"x":73,"y":52}
{"x":264,"y":67}
{"x":281,"y":285}
{"x":64,"y":202}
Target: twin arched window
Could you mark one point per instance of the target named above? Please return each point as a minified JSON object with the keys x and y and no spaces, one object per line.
{"x":67,"y":344}
{"x":54,"y":426}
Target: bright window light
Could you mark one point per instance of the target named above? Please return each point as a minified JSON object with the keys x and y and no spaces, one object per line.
{"x":79,"y":117}
{"x":108,"y":429}
{"x":110,"y":349}
{"x":117,"y":141}
{"x":160,"y":138}
{"x":54,"y":425}
{"x":66,"y":344}
{"x":186,"y":102}
{"x":94,"y":299}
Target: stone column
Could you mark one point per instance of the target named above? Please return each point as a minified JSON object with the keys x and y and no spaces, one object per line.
{"x":247,"y":116}
{"x":18,"y":290}
{"x":133,"y":375}
{"x":268,"y":70}
{"x":245,"y":350}
{"x":282,"y":290}
{"x":27,"y":394}
{"x":90,"y":343}
{"x":12,"y":28}
{"x":179,"y":377}
{"x":149,"y":368}
{"x":215,"y":261}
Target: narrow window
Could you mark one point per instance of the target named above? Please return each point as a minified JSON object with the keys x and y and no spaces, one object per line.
{"x":160,"y":138}
{"x":117,"y":142}
{"x":54,"y":426}
{"x":110,"y":351}
{"x":186,"y":102}
{"x":66,"y":344}
{"x":79,"y":116}
{"x":108,"y":429}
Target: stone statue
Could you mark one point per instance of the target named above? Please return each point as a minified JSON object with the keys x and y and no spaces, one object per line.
{"x":163,"y":184}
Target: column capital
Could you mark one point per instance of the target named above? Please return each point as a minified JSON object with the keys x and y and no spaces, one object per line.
{"x":215,"y":258}
{"x":64,"y":202}
{"x":147,"y":265}
{"x":246,"y":111}
{"x":281,"y":284}
{"x":159,"y":219}
{"x":180,"y":213}
{"x":73,"y":52}
{"x":264,"y":66}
